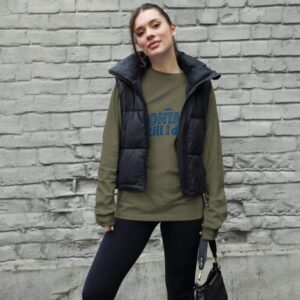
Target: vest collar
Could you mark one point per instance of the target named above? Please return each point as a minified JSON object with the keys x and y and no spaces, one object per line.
{"x":196,"y":71}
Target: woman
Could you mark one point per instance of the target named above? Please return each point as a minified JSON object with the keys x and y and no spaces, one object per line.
{"x":162,"y":151}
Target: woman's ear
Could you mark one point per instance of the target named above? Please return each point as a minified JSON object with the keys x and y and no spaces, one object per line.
{"x":173,"y":29}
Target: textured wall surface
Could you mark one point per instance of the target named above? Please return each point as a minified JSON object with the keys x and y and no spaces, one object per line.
{"x":54,"y":93}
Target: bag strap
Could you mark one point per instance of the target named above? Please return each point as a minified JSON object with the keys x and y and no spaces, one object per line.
{"x":202,"y":252}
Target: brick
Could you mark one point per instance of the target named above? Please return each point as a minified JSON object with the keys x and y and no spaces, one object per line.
{"x":229,"y":82}
{"x":234,"y":129}
{"x":231,"y":65}
{"x":258,"y":144}
{"x":215,"y":3}
{"x":79,"y":86}
{"x":43,"y":86}
{"x":102,"y":85}
{"x":264,"y":81}
{"x":9,"y":21}
{"x":236,"y":3}
{"x":290,"y":15}
{"x":26,"y":157}
{"x":95,"y":5}
{"x":183,"y":3}
{"x":8,"y":253}
{"x":286,"y":96}
{"x":232,"y":97}
{"x":242,"y":129}
{"x":67,"y":5}
{"x":80,"y":119}
{"x":79,"y":21}
{"x":282,"y":32}
{"x":286,"y":236}
{"x":191,"y":34}
{"x":120,"y":52}
{"x":208,"y":49}
{"x":229,"y":32}
{"x":119,"y":20}
{"x":185,"y":17}
{"x":95,"y":70}
{"x":249,"y":15}
{"x":259,"y":237}
{"x":17,"y":6}
{"x":91,"y":135}
{"x":8,"y":72}
{"x":100,"y":53}
{"x":32,"y":53}
{"x":229,"y":113}
{"x":43,"y":6}
{"x":286,"y":48}
{"x":237,"y":224}
{"x":77,"y":54}
{"x":55,"y":71}
{"x":286,"y":128}
{"x":266,"y":2}
{"x":56,"y":155}
{"x":296,"y":31}
{"x":99,"y":118}
{"x":187,"y":47}
{"x":48,"y":38}
{"x":8,"y":157}
{"x":229,"y":16}
{"x":13,"y":37}
{"x":24,"y":21}
{"x":23,"y":73}
{"x":230,"y":49}
{"x":261,"y":112}
{"x":263,"y":64}
{"x":99,"y":36}
{"x":35,"y":122}
{"x":94,"y":102}
{"x":10,"y":125}
{"x":291,"y":111}
{"x":255,"y":48}
{"x":270,"y":15}
{"x":59,"y":122}
{"x":261,"y":96}
{"x":261,"y":31}
{"x":291,"y":80}
{"x":207,"y":16}
{"x":293,"y":64}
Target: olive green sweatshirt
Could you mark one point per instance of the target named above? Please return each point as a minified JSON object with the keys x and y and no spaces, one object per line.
{"x":162,"y":199}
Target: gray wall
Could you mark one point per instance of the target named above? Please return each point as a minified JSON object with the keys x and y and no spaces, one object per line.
{"x":55,"y":91}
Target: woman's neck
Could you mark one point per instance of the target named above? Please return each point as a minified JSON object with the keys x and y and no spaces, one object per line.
{"x":166,"y":63}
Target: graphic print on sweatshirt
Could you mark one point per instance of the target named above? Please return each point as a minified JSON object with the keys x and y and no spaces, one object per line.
{"x":163,"y":123}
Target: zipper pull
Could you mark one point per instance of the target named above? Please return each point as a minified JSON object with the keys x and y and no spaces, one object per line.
{"x":204,"y":198}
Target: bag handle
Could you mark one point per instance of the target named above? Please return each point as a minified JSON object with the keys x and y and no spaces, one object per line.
{"x":202,"y":253}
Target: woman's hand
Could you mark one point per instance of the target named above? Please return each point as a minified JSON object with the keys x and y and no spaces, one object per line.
{"x":108,"y":228}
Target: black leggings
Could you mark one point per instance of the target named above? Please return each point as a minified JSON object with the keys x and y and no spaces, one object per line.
{"x":120,"y":249}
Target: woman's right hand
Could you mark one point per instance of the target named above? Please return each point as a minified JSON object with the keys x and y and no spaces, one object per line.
{"x":108,"y":228}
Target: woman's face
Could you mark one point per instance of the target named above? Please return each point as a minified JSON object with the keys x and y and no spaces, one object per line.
{"x":153,"y":35}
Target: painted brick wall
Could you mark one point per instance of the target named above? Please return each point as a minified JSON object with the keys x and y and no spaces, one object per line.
{"x":55,"y":90}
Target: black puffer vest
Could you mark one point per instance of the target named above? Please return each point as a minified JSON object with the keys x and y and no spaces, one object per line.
{"x":132,"y":165}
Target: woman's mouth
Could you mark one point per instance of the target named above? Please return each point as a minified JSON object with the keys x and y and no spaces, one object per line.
{"x":153,"y":45}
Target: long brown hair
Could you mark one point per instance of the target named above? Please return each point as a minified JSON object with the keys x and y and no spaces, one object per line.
{"x":140,"y":54}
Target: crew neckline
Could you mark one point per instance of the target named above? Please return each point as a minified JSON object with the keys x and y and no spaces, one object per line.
{"x":165,"y":74}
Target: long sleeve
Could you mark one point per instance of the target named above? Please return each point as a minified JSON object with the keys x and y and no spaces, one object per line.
{"x":106,"y":181}
{"x":215,"y":212}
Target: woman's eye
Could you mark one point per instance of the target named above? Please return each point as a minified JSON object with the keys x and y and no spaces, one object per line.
{"x":156,"y":25}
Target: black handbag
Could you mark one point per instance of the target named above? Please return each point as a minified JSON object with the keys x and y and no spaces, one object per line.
{"x":213,"y":288}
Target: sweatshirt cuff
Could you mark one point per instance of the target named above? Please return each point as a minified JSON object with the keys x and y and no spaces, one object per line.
{"x":105,"y":221}
{"x":209,"y":234}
